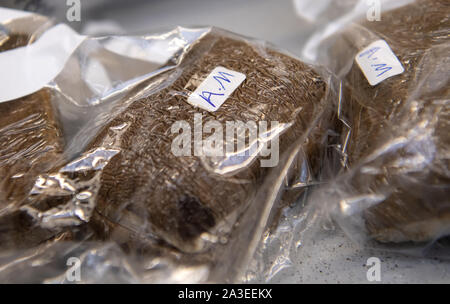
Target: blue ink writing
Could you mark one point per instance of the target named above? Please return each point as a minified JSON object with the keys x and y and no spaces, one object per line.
{"x":223,"y":78}
{"x":208,"y":98}
{"x":370,"y":52}
{"x":381,"y":67}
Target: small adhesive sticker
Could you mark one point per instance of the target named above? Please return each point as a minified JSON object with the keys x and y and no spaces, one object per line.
{"x":378,"y":62}
{"x":215,"y":89}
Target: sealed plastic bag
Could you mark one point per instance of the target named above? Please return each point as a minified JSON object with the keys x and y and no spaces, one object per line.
{"x":30,"y":133}
{"x":177,"y":149}
{"x":395,"y":191}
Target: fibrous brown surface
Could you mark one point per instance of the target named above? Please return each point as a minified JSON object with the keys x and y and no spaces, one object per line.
{"x":146,"y":189}
{"x":31,"y":141}
{"x":411,"y":169}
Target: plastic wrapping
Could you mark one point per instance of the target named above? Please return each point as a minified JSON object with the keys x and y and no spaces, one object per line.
{"x":394,"y":189}
{"x":126,"y":173}
{"x":330,"y":17}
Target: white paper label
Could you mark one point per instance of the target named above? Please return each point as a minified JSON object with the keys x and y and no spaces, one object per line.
{"x":378,"y":62}
{"x":215,"y":89}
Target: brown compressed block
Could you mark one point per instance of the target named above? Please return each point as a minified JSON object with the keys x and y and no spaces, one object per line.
{"x":417,"y":205}
{"x":145,"y":189}
{"x":31,"y":142}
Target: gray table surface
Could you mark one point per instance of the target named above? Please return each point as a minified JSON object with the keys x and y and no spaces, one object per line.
{"x":332,"y":258}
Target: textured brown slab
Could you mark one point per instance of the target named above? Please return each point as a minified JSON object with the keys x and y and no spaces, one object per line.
{"x":147,"y":189}
{"x":31,"y":142}
{"x":417,"y":206}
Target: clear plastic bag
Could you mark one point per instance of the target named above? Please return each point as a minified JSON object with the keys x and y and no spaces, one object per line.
{"x":330,"y":17}
{"x":136,"y":184}
{"x":394,"y":189}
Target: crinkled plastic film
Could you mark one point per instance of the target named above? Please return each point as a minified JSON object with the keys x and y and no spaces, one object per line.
{"x":98,"y":180}
{"x":394,"y":189}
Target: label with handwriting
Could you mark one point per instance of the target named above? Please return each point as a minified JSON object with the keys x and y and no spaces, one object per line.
{"x":215,"y":89}
{"x":378,"y":62}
